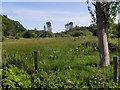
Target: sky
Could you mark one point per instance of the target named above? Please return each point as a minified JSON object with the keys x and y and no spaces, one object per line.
{"x":35,"y":14}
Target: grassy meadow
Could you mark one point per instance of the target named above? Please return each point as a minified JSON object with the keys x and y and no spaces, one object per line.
{"x":63,"y":63}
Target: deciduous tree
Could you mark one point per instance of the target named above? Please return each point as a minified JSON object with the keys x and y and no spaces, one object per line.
{"x":105,"y":15}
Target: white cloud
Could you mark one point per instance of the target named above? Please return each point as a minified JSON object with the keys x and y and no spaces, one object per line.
{"x":45,"y":15}
{"x":58,"y":18}
{"x":30,"y":12}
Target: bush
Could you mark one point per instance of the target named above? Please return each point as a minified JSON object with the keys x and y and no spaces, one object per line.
{"x":10,"y":37}
{"x":15,"y":78}
{"x":77,"y":34}
{"x":17,"y":37}
{"x":49,"y":34}
{"x":93,"y":45}
{"x":93,"y":29}
{"x":29,"y":34}
{"x":95,"y":82}
{"x":113,"y":47}
{"x":3,"y":38}
{"x":62,"y":35}
{"x":81,"y":33}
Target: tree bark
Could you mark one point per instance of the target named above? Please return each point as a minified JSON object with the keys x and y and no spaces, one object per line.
{"x":102,"y":35}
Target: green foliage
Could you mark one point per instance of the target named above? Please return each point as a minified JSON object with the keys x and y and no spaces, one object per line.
{"x":62,"y":34}
{"x":76,"y":32}
{"x":29,"y":34}
{"x":114,"y":47}
{"x":10,"y":37}
{"x":18,"y":35}
{"x":49,"y":34}
{"x":117,"y":33}
{"x":92,"y":28}
{"x":92,"y":45}
{"x":109,"y":10}
{"x":11,"y":27}
{"x":15,"y":78}
{"x":16,"y":30}
{"x":95,"y":82}
{"x":3,"y":38}
{"x":63,"y":63}
{"x":44,"y":34}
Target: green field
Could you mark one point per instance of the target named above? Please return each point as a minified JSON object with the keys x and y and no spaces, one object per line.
{"x":63,"y":63}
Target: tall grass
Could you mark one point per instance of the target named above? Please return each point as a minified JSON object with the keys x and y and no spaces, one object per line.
{"x":70,"y":59}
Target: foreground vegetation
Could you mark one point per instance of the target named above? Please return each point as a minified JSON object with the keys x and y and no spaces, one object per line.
{"x":64,"y":63}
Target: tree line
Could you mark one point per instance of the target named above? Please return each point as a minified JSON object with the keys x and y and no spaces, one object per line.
{"x":15,"y":29}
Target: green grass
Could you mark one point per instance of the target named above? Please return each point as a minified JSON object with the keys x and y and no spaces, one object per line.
{"x":62,"y":50}
{"x":69,"y":60}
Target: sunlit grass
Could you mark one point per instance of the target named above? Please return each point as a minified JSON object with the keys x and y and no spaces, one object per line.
{"x":70,"y":60}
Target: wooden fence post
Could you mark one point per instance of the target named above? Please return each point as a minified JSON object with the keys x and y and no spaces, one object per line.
{"x":116,"y":69}
{"x":36,"y":60}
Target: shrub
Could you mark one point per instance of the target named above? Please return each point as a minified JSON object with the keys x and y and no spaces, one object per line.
{"x":28,"y":34}
{"x":80,"y":33}
{"x":113,"y":47}
{"x":49,"y":34}
{"x":77,"y":33}
{"x":95,"y":82}
{"x":17,"y":37}
{"x":15,"y":78}
{"x":93,"y":45}
{"x":10,"y":37}
{"x":3,"y":38}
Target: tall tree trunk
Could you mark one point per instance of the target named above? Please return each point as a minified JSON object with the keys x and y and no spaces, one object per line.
{"x":102,"y":36}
